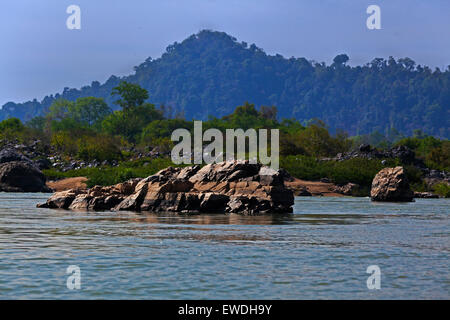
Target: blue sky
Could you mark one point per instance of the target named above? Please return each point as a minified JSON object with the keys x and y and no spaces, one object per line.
{"x":40,"y":56}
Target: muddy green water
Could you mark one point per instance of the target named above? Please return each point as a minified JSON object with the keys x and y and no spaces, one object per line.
{"x":321,"y":251}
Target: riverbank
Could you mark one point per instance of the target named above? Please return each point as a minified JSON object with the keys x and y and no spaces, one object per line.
{"x":348,"y":174}
{"x":315,"y":188}
{"x":68,"y":183}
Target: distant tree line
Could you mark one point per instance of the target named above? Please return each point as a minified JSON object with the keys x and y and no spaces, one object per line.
{"x":88,"y":129}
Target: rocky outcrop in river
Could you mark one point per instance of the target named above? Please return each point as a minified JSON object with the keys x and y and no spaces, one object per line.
{"x":391,"y":184}
{"x":226,"y":187}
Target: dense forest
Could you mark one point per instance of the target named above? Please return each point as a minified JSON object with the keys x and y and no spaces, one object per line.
{"x":210,"y":73}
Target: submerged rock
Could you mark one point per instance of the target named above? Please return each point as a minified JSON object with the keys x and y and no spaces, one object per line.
{"x":426,"y":195}
{"x":391,"y":184}
{"x":302,"y":192}
{"x":348,"y":189}
{"x":226,"y":187}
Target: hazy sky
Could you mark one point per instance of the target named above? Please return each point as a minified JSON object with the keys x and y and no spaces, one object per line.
{"x":40,"y":56}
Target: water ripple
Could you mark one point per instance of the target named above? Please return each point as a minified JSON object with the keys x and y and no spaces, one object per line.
{"x":321,"y":251}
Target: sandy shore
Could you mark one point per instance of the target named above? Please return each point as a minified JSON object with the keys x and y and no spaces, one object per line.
{"x":68,"y":183}
{"x":316,"y":188}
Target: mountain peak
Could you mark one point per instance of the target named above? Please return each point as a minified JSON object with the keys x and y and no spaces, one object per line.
{"x":210,"y":73}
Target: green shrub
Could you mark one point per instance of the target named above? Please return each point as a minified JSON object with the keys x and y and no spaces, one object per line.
{"x":12,"y":128}
{"x":442,"y":189}
{"x":413,"y":174}
{"x":64,"y":142}
{"x":87,"y":146}
{"x":434,"y":152}
{"x":360,"y":171}
{"x":100,"y":147}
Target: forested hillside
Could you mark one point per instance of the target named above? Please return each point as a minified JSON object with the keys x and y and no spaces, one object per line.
{"x":210,"y":73}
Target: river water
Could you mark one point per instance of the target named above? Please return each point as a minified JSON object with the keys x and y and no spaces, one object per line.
{"x":322,"y":251}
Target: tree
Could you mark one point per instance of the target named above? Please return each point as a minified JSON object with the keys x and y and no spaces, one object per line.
{"x":11,"y":124}
{"x":317,"y":141}
{"x":11,"y":128}
{"x":129,"y":123}
{"x":269,"y":113}
{"x":341,"y":59}
{"x":90,"y":110}
{"x":59,"y":109}
{"x":159,"y":130}
{"x":132,"y":95}
{"x":37,"y":123}
{"x":84,"y":112}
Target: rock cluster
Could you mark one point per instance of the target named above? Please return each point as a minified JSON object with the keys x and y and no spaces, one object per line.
{"x":226,"y":187}
{"x":23,"y":153}
{"x":391,"y":184}
{"x":348,"y":189}
{"x":9,"y":154}
{"x":433,"y":177}
{"x":44,"y":156}
{"x":406,"y":155}
{"x":426,"y":195}
{"x":63,"y":166}
{"x":33,"y":149}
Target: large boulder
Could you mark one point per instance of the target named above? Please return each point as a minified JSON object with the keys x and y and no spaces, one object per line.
{"x":391,"y":184}
{"x":226,"y":187}
{"x":21,"y":176}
